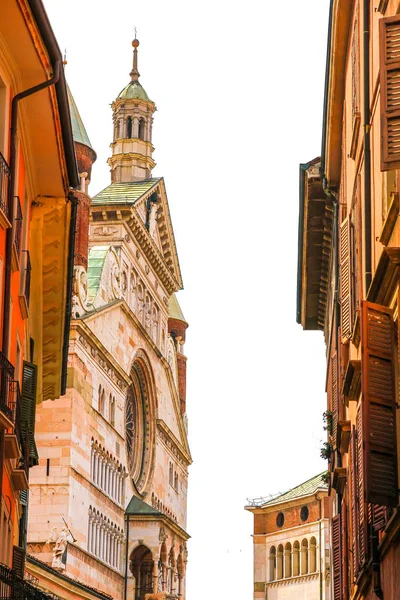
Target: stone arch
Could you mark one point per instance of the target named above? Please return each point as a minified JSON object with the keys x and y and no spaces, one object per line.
{"x":272,"y":563}
{"x":141,"y":564}
{"x":313,"y":555}
{"x":142,"y":129}
{"x":279,"y":562}
{"x":304,"y":557}
{"x":140,"y":415}
{"x":296,"y":559}
{"x":288,"y":560}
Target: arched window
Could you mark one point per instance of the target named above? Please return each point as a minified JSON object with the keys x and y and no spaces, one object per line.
{"x":129,"y":127}
{"x":296,"y":559}
{"x":279,"y":562}
{"x":112,"y":411}
{"x":176,"y":481}
{"x":101,"y":400}
{"x":313,"y":555}
{"x":171,"y":473}
{"x":142,"y":126}
{"x":288,"y":560}
{"x":272,"y":564}
{"x":304,"y":557}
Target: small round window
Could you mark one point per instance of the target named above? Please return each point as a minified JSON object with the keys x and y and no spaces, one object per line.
{"x":280,"y":519}
{"x":304,"y":513}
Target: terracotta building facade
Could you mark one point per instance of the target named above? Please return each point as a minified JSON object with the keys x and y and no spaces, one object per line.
{"x":38,"y":174}
{"x":291,"y":541}
{"x":109,"y":495}
{"x":348,"y":287}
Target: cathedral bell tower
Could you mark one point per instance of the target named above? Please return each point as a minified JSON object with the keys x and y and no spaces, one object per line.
{"x":132,"y":149}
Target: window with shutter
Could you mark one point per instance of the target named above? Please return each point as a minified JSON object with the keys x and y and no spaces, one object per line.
{"x":335,"y":396}
{"x":337,"y":558}
{"x":361,"y":531}
{"x":379,"y":405}
{"x":390,"y":92}
{"x":345,"y":280}
{"x":354,"y":502}
{"x":18,"y":561}
{"x":28,"y":411}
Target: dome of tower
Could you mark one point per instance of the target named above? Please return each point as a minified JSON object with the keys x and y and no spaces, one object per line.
{"x":134,"y":90}
{"x":78,"y":128}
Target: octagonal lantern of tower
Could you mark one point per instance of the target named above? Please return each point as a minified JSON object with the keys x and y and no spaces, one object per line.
{"x":132,"y":148}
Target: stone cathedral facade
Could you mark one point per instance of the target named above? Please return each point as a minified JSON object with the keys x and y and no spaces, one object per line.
{"x":108,"y":498}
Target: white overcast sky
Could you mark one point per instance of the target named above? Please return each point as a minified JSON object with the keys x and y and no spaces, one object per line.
{"x":239,"y":91}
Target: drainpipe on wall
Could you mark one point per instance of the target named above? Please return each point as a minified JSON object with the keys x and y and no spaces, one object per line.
{"x":70,"y":279}
{"x":10,"y":231}
{"x":367,"y":147}
{"x":13,"y":166}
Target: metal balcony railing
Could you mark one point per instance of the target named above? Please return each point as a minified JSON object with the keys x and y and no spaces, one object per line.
{"x":27,"y":276}
{"x":4,"y":179}
{"x":12,"y":587}
{"x":6,"y":377}
{"x":18,"y":226}
{"x":14,"y":403}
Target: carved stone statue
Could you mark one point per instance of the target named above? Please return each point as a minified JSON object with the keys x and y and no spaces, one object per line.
{"x":60,"y":540}
{"x":153,"y":220}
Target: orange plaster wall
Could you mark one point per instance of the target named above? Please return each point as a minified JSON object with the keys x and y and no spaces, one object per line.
{"x":266,"y":523}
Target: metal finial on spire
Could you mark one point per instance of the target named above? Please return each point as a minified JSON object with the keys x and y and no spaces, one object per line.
{"x":135,"y":73}
{"x":64,"y":62}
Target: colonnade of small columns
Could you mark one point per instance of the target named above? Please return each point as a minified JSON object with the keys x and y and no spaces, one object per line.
{"x":105,"y":539}
{"x":131,"y":127}
{"x":107,"y":473}
{"x":292,"y":561}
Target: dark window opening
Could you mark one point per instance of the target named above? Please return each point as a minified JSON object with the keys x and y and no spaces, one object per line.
{"x":304,"y":513}
{"x":129,"y":127}
{"x":280,"y":519}
{"x":141,"y":129}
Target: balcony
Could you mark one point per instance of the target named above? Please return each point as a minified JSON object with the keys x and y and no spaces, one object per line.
{"x":4,"y":181}
{"x":20,"y":473}
{"x":17,"y":239}
{"x":7,"y":415}
{"x":25,"y":284}
{"x":12,"y":586}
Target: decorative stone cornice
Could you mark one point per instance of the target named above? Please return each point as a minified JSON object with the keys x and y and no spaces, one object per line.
{"x":292,"y":580}
{"x":99,"y":354}
{"x":172,"y":444}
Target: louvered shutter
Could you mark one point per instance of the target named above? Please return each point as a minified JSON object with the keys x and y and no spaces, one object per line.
{"x":361,"y":515}
{"x":18,"y":561}
{"x":335,"y":395}
{"x":354,"y":502}
{"x":28,"y":412}
{"x":337,"y":558}
{"x":344,"y":552}
{"x":390,"y":92}
{"x":379,"y":405}
{"x":345,"y":280}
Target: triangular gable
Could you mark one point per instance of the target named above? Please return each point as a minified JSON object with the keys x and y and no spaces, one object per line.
{"x":160,"y":231}
{"x":98,"y":322}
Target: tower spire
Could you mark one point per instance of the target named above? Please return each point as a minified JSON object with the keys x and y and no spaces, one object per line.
{"x":135,"y":73}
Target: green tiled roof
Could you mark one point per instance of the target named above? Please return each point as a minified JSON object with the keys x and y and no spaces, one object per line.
{"x":304,"y":489}
{"x":134,"y":90}
{"x":138,"y":507}
{"x":174,"y":310}
{"x":125,"y":193}
{"x":97,"y":256}
{"x":78,"y":129}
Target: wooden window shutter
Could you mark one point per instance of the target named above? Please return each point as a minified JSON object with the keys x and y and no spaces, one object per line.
{"x":379,"y":405}
{"x":354,"y":502}
{"x":389,"y":50}
{"x":344,"y":553}
{"x":335,"y":395}
{"x":361,"y":531}
{"x":28,"y":412}
{"x":18,"y":561}
{"x":345,"y":280}
{"x":337,"y":558}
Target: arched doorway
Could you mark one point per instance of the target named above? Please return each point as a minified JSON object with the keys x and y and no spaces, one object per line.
{"x":142,"y":565}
